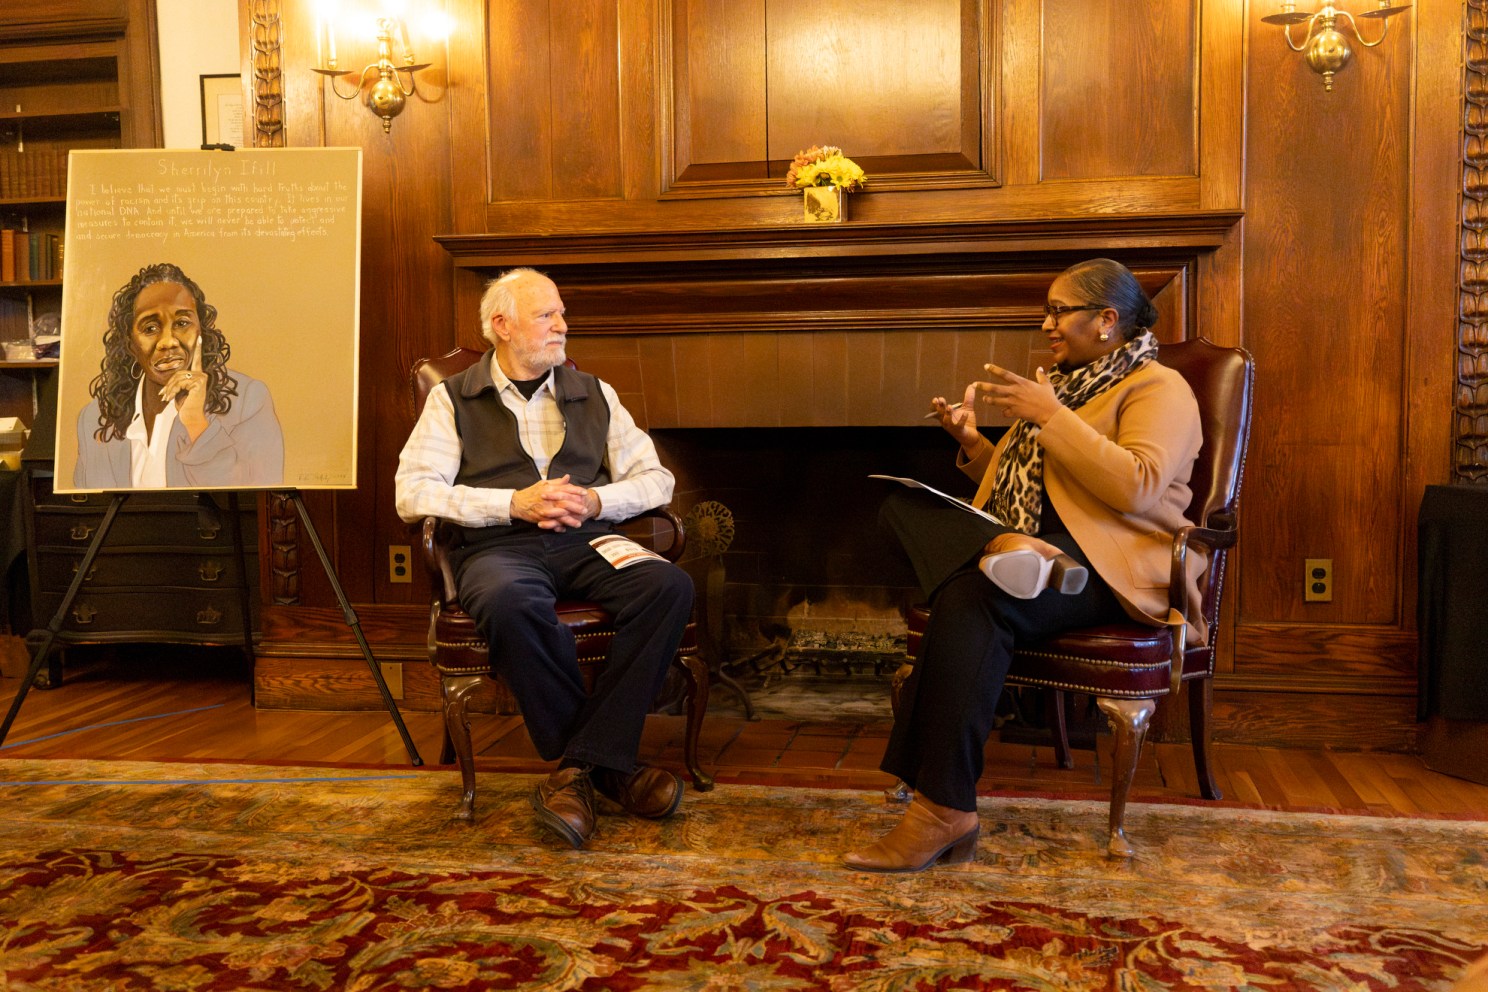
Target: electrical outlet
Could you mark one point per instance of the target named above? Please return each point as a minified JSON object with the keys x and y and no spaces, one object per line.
{"x":1317,"y":580}
{"x":400,"y":563}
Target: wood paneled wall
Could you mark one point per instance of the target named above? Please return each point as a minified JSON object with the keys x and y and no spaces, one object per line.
{"x":603,"y":137}
{"x":131,"y":23}
{"x":1141,"y":72}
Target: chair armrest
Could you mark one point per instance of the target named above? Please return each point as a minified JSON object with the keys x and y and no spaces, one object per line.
{"x":672,"y":525}
{"x":435,"y":547}
{"x":1221,"y":534}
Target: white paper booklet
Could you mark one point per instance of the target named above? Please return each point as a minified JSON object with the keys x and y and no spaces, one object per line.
{"x":622,"y":551}
{"x":916,"y":484}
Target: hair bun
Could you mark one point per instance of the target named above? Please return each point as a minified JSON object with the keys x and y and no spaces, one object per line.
{"x":1147,"y":316}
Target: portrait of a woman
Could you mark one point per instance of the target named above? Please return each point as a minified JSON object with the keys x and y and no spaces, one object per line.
{"x":167,"y":412}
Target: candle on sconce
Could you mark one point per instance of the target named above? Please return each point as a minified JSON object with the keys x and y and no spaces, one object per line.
{"x":403,"y":39}
{"x":331,"y":42}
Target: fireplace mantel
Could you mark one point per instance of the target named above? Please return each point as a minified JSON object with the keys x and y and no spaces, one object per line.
{"x":984,"y":275}
{"x":1142,"y":233}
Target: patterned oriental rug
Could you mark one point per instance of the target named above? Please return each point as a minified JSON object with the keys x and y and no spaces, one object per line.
{"x":123,"y":876}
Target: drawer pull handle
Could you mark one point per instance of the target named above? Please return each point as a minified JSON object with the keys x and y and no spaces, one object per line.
{"x":82,"y":532}
{"x":83,"y":614}
{"x":210,"y":571}
{"x":207,"y":533}
{"x":210,"y":617}
{"x":78,"y":497}
{"x":91,"y":569}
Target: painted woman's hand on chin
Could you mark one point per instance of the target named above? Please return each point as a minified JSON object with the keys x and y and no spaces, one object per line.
{"x":188,"y":389}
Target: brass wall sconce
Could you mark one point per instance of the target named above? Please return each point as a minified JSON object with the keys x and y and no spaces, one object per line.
{"x":1325,"y":48}
{"x":384,"y":85}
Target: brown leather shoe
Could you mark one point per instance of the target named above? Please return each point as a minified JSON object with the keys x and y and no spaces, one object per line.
{"x":565,"y":805}
{"x":928,"y":833}
{"x":649,"y":792}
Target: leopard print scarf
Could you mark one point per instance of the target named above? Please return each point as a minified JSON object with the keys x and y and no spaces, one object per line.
{"x":1018,"y":486}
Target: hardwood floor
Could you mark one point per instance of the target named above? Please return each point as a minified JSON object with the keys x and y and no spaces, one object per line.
{"x":154,"y":705}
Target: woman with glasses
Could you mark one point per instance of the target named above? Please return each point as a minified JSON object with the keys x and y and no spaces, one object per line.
{"x":1087,"y":489}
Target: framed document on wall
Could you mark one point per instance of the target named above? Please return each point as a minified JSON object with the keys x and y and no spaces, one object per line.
{"x":222,"y":110}
{"x":209,"y":320}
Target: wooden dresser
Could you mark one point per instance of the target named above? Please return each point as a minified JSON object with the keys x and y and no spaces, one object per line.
{"x":167,"y":571}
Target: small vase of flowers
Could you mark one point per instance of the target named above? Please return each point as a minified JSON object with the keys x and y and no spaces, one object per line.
{"x":825,"y":176}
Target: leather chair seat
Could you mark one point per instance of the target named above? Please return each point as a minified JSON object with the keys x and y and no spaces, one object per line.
{"x":1119,"y":659}
{"x":460,"y":650}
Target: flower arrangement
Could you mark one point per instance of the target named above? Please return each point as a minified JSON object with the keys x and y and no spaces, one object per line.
{"x":825,"y":165}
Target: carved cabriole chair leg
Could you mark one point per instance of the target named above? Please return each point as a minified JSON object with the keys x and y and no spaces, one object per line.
{"x":1200,"y":705}
{"x":447,"y":746}
{"x":1062,"y":753}
{"x":697,"y":689}
{"x":1129,"y":721}
{"x":456,"y":691}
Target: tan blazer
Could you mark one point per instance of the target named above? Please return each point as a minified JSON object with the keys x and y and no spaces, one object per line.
{"x":1117,"y":471}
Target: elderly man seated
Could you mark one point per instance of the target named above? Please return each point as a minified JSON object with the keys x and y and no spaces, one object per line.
{"x":532,"y":460}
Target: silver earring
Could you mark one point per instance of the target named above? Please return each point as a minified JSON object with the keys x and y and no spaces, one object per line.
{"x":135,"y":371}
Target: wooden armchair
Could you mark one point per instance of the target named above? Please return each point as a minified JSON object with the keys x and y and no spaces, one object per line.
{"x":459,"y":655}
{"x":1128,"y":666}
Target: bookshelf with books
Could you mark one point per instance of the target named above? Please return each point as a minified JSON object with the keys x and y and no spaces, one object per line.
{"x":53,"y":99}
{"x":69,"y":79}
{"x":74,"y":74}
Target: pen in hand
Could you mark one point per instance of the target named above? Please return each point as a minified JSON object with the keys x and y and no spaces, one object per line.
{"x":949,"y":407}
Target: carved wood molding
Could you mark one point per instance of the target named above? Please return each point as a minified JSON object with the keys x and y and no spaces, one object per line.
{"x":268,"y":74}
{"x":1470,"y":423}
{"x":268,"y":132}
{"x":284,"y":550}
{"x":83,"y":29}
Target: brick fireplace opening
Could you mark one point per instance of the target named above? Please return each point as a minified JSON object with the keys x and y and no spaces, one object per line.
{"x":808,"y":570}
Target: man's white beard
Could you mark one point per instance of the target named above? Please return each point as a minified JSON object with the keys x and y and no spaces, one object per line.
{"x":541,"y":358}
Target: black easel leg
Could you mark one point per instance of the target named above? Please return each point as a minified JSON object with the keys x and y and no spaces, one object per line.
{"x":55,"y":627}
{"x":356,"y":628}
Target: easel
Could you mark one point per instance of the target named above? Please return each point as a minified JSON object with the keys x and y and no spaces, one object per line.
{"x":44,"y":648}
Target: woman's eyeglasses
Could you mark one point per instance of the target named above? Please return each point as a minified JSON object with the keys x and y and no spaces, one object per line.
{"x":1050,"y":310}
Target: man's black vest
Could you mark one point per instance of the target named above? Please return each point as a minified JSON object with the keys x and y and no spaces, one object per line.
{"x":492,"y":456}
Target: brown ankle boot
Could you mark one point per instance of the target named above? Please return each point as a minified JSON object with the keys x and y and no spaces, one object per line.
{"x":928,"y":833}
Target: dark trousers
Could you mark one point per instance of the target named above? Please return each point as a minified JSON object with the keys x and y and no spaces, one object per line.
{"x":510,"y":592}
{"x":948,"y":705}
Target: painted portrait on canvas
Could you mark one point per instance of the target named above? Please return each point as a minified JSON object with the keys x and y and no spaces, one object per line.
{"x":167,"y":410}
{"x":210,"y":320}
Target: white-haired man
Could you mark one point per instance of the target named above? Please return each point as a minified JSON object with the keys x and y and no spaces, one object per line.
{"x":532,"y":460}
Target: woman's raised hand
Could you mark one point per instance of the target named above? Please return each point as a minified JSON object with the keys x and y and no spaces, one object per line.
{"x":958,"y":419}
{"x":1026,"y":399}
